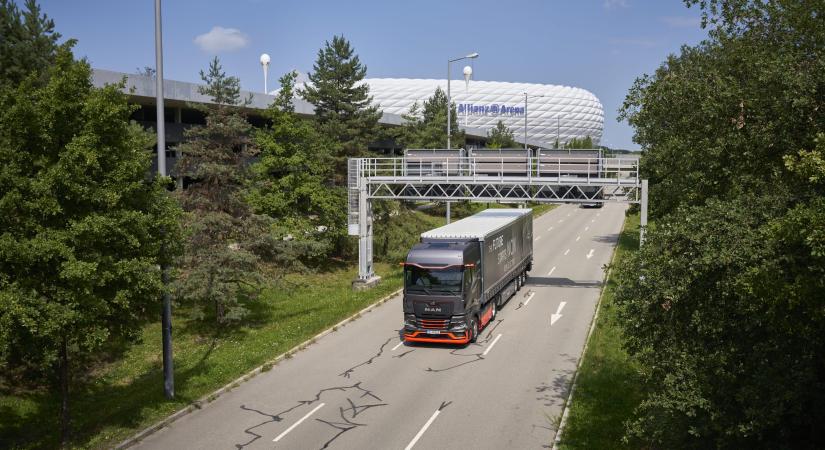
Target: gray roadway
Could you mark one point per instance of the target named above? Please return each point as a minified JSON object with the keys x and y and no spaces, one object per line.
{"x":361,"y":388}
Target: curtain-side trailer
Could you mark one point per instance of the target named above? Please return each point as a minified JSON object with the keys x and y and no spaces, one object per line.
{"x":457,"y":277}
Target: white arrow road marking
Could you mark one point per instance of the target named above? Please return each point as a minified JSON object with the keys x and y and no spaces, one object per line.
{"x":491,"y":345}
{"x":423,"y":429}
{"x":566,"y":252}
{"x":590,"y":254}
{"x":297,"y":423}
{"x":577,"y":238}
{"x":586,"y":228}
{"x":551,"y":271}
{"x":529,"y":297}
{"x":555,"y":317}
{"x":399,"y":345}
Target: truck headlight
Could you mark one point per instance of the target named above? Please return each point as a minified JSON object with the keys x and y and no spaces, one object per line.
{"x":409,"y":320}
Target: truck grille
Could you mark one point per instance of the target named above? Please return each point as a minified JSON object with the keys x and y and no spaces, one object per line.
{"x":434,"y":324}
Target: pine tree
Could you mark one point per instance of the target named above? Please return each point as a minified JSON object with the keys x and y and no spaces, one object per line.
{"x":28,"y":42}
{"x":80,"y":225}
{"x":501,"y":137}
{"x":219,"y":269}
{"x":425,"y":125}
{"x":291,"y":183}
{"x":342,"y":102}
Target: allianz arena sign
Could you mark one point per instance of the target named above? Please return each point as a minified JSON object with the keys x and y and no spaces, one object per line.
{"x":489,"y":110}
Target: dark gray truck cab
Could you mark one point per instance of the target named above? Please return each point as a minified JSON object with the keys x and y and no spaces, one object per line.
{"x":457,"y":277}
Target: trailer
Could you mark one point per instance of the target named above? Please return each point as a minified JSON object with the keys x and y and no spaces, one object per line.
{"x":460,"y":274}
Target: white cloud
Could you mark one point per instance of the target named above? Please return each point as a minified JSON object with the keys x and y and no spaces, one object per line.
{"x":681,"y":21}
{"x":220,"y":39}
{"x":610,"y":4}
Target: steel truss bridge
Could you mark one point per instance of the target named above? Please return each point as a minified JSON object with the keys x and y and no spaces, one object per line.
{"x":502,"y":176}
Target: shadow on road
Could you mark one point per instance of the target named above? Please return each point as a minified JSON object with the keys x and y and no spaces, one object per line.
{"x":561,"y":282}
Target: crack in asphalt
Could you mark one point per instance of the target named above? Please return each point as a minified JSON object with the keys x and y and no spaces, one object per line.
{"x":348,"y":372}
{"x":273,"y":418}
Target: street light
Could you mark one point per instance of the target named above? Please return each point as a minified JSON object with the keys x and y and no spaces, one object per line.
{"x":265,"y":63}
{"x":449,"y":100}
{"x":525,"y":115}
{"x":166,"y":316}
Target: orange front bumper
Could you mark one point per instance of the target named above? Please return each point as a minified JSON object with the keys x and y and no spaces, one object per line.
{"x":463,"y":338}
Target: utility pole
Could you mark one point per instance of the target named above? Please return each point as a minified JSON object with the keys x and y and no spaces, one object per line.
{"x":166,"y":320}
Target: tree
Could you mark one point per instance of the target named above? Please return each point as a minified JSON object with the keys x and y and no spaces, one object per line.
{"x":579,"y":143}
{"x":80,"y":226}
{"x":28,"y":42}
{"x":219,"y":267}
{"x":425,"y":125}
{"x":342,"y":102}
{"x":724,"y":302}
{"x":292,"y":183}
{"x":501,"y":137}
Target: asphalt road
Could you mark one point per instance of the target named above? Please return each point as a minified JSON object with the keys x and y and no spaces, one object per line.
{"x":361,"y":388}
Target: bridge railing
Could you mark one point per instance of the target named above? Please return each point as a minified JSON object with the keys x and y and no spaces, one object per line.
{"x":500,"y":168}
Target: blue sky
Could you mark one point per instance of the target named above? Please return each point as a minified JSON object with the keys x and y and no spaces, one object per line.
{"x":598,"y":45}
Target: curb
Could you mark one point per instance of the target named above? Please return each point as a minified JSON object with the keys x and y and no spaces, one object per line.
{"x":265,"y":367}
{"x":566,"y":410}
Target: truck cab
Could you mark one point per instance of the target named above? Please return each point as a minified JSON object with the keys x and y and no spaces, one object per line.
{"x":441,"y":291}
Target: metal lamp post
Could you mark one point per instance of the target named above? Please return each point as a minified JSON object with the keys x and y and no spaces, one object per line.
{"x":265,"y":64}
{"x":525,"y":116}
{"x":449,"y":100}
{"x":166,"y":316}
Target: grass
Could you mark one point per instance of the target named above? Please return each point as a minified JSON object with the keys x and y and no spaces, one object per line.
{"x":127,"y":395}
{"x":609,"y":385}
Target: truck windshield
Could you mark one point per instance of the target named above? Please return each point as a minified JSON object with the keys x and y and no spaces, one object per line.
{"x":430,"y":281}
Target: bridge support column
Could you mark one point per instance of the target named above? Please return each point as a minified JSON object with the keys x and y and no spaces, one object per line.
{"x":643,"y":218}
{"x":448,"y":212}
{"x":366,"y":274}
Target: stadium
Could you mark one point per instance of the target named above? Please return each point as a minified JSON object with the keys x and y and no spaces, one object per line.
{"x":553,"y":112}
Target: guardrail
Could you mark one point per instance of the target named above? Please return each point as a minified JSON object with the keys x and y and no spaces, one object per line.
{"x":505,"y":168}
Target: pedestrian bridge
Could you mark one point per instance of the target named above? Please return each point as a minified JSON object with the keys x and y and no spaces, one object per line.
{"x":505,"y":176}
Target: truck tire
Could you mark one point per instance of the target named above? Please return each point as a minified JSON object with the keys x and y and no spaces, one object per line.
{"x":495,"y":310}
{"x":473,"y":329}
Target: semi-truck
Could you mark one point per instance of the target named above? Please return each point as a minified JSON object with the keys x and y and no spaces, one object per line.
{"x":459,"y":275}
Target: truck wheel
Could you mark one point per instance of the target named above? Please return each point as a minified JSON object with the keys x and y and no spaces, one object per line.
{"x":494,"y":311}
{"x":473,"y":330}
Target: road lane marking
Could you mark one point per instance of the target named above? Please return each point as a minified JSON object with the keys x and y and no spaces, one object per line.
{"x":399,"y":345}
{"x":597,"y":214}
{"x":593,"y":221}
{"x":590,"y":254}
{"x":577,"y":238}
{"x":297,"y":423}
{"x":491,"y":345}
{"x":568,"y":214}
{"x":561,"y":220}
{"x":529,"y":297}
{"x":566,"y":252}
{"x":586,"y":228}
{"x":555,"y":317}
{"x":551,"y":271}
{"x":550,"y":229}
{"x":423,"y":429}
{"x":538,"y":237}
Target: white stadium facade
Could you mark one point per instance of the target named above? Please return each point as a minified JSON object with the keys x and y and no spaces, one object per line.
{"x":553,"y":112}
